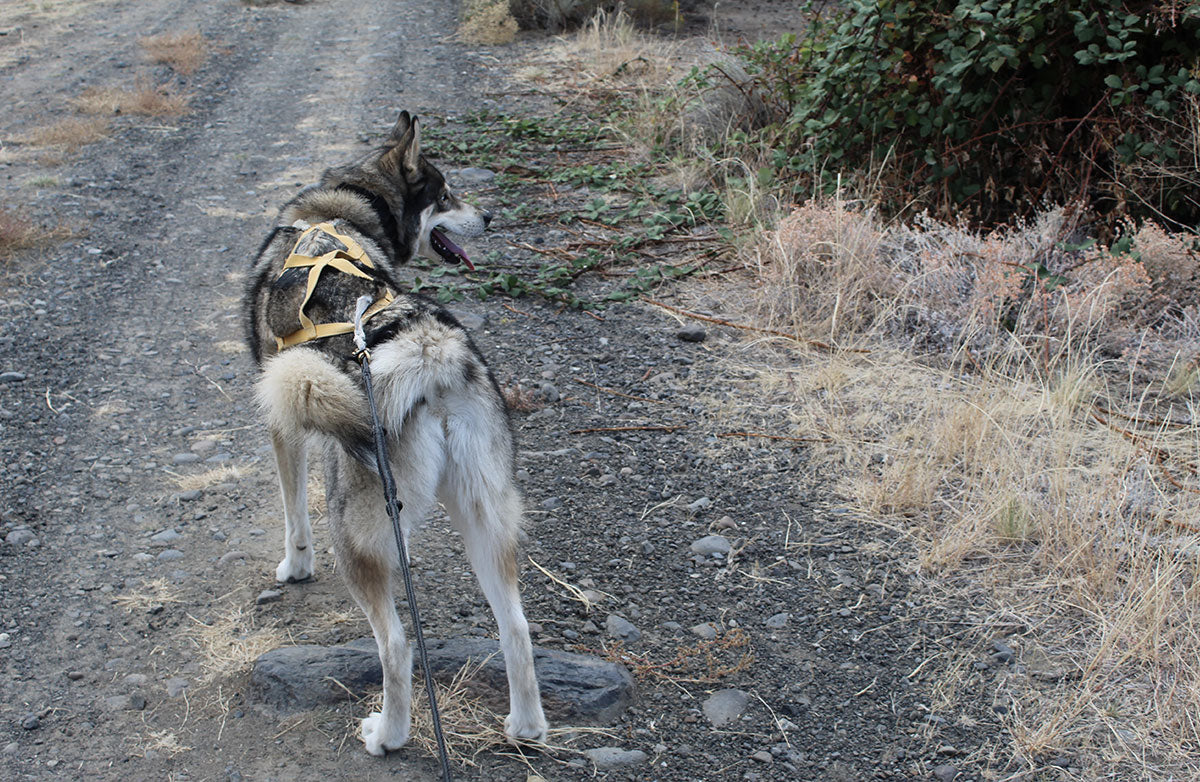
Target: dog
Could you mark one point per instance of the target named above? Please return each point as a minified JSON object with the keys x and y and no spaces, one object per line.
{"x":446,"y":421}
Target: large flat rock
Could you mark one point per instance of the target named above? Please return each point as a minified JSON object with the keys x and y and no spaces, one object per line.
{"x":575,"y":687}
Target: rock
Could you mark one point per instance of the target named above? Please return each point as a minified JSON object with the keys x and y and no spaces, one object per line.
{"x":763,"y":756}
{"x":711,"y":544}
{"x":230,"y":556}
{"x":574,"y":686}
{"x":5,"y":640}
{"x":692,"y":334}
{"x":724,"y":707}
{"x":268,"y":596}
{"x":777,"y":621}
{"x":945,"y":773}
{"x":11,"y":377}
{"x":473,"y":176}
{"x":725,"y":523}
{"x":469,"y":320}
{"x":170,"y":555}
{"x":190,"y":496}
{"x":176,"y":686}
{"x":552,"y":503}
{"x":20,"y":537}
{"x":550,"y":393}
{"x":615,"y":757}
{"x":700,"y":504}
{"x":185,"y":458}
{"x":705,"y":630}
{"x":30,"y":722}
{"x":74,"y":675}
{"x":165,"y":537}
{"x":619,"y":627}
{"x":1004,"y":653}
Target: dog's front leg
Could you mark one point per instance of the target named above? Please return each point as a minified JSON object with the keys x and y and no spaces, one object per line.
{"x":291,"y":460}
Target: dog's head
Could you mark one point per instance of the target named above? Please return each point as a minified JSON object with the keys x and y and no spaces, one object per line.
{"x":414,"y":192}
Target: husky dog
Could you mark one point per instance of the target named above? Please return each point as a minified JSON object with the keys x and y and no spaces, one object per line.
{"x":446,"y":421}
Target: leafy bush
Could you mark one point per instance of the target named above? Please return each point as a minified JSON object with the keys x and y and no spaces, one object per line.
{"x":990,"y":107}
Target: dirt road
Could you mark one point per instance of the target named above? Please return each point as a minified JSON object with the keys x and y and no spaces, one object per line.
{"x":140,"y":516}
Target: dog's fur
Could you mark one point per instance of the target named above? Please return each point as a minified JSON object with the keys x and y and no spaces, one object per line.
{"x":446,"y":420}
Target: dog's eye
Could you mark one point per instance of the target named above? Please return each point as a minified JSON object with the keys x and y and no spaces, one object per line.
{"x":444,"y":198}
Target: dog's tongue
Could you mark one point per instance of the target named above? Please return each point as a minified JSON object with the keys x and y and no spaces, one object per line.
{"x":448,"y":249}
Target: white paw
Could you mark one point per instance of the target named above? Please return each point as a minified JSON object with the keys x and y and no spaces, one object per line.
{"x":526,"y":727}
{"x":379,"y":737}
{"x":295,"y":568}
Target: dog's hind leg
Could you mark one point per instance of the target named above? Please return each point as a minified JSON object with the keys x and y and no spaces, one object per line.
{"x":484,"y":506}
{"x":291,"y":460}
{"x":368,"y":575}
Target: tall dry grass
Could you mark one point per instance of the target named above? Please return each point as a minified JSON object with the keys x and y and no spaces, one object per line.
{"x":1024,"y":411}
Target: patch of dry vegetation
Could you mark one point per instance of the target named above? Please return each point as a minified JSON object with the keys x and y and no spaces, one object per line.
{"x":488,"y":22}
{"x":141,"y":99}
{"x":68,"y":134}
{"x":231,"y":640}
{"x":18,"y":233}
{"x":1022,"y":408}
{"x":184,"y":53}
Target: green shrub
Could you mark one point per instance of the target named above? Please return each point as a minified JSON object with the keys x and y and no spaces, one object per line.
{"x":990,"y":108}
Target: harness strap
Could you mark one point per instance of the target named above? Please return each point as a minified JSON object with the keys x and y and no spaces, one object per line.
{"x":340,"y":260}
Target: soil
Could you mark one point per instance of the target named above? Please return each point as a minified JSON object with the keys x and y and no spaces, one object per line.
{"x":128,"y":375}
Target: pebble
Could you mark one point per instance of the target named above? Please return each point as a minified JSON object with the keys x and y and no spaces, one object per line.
{"x":619,"y":627}
{"x":762,"y":756}
{"x":475,"y":176}
{"x":20,"y":537}
{"x":692,"y":334}
{"x":1004,"y":653}
{"x":11,"y":377}
{"x":700,"y":504}
{"x":185,"y":458}
{"x":74,"y":675}
{"x":777,"y":621}
{"x":170,"y":555}
{"x":944,"y":773}
{"x":711,"y":544}
{"x":176,"y":686}
{"x":230,"y":556}
{"x":705,"y":630}
{"x":724,"y":707}
{"x":615,"y":757}
{"x":30,"y":722}
{"x":5,"y":640}
{"x":189,"y":496}
{"x":550,"y":393}
{"x":725,"y":523}
{"x":551,"y":503}
{"x":166,"y":536}
{"x":268,"y":596}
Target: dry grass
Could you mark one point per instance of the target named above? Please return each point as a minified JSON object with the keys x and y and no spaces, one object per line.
{"x":488,"y":22}
{"x":16,"y":233}
{"x":230,"y":641}
{"x":223,"y":474}
{"x":141,"y":99}
{"x":69,"y":133}
{"x":468,"y":725}
{"x":151,"y":593}
{"x":1031,"y":440}
{"x":183,"y":52}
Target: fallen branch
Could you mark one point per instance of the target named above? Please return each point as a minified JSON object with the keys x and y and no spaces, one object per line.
{"x":695,"y":316}
{"x":628,"y":429}
{"x":776,"y":437}
{"x":615,"y":392}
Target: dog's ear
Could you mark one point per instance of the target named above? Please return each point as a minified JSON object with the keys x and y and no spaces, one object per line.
{"x":405,"y":157}
{"x":402,"y":125}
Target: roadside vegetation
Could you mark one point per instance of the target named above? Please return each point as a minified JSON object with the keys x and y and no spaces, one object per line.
{"x":960,"y":239}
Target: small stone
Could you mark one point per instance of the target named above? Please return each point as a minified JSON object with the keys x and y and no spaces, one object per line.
{"x":763,"y":756}
{"x":707,"y":631}
{"x":778,"y":621}
{"x":170,"y":555}
{"x":724,"y":707}
{"x":136,"y":679}
{"x":165,"y":537}
{"x":176,"y":686}
{"x":619,"y":627}
{"x":711,"y":544}
{"x":268,"y":596}
{"x":5,"y":640}
{"x":725,"y":523}
{"x":185,"y":458}
{"x":550,"y":393}
{"x":945,"y":773}
{"x":30,"y":722}
{"x":230,"y":556}
{"x":137,"y":702}
{"x":20,"y":537}
{"x":615,"y":757}
{"x":203,"y":446}
{"x":692,"y":334}
{"x":472,"y":176}
{"x":74,"y":675}
{"x":551,"y":503}
{"x":11,"y":377}
{"x":189,"y":496}
{"x":700,"y":504}
{"x":1004,"y":653}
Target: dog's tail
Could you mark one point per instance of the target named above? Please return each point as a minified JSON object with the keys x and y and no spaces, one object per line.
{"x":302,"y":393}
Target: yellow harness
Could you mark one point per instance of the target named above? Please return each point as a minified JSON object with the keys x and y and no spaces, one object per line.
{"x":340,"y":260}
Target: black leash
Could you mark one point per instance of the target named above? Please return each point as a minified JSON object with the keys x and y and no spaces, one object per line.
{"x":363,"y":357}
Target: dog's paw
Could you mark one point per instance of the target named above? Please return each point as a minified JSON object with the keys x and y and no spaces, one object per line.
{"x":380,"y":737}
{"x":293,"y":569}
{"x":526,"y":727}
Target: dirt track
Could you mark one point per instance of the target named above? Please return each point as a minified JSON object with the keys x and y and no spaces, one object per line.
{"x":125,"y":337}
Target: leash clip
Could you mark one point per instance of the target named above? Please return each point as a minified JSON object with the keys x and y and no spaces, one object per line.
{"x":361,"y":355}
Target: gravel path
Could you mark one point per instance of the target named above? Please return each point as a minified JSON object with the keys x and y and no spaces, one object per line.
{"x":130,"y":604}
